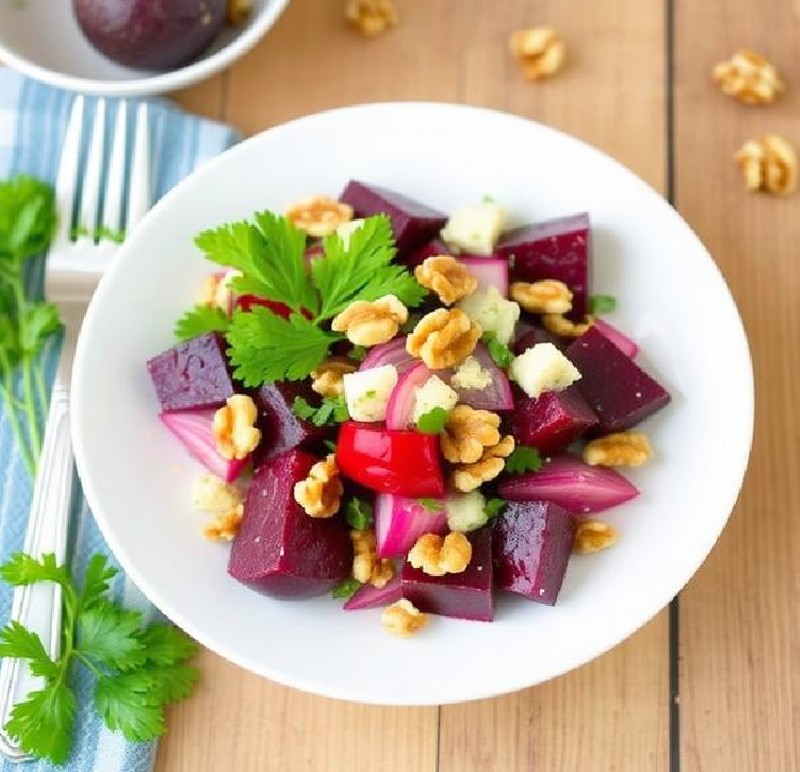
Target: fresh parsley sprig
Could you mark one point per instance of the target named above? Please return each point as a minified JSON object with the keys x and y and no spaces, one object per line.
{"x":139,"y":669}
{"x":602,"y":304}
{"x":523,"y":458}
{"x":433,"y":422}
{"x":499,"y":352}
{"x":359,"y":514}
{"x":333,"y":410}
{"x":200,"y":320}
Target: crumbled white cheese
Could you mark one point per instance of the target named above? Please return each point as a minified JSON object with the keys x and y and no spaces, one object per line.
{"x":471,"y":375}
{"x":475,"y":229}
{"x":492,"y":312}
{"x":367,"y":392}
{"x":466,"y":511}
{"x":211,"y":494}
{"x":347,"y":229}
{"x":433,"y":393}
{"x":543,"y":368}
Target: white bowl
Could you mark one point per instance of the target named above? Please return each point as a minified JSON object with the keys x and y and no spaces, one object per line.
{"x":672,"y":300}
{"x":41,"y":39}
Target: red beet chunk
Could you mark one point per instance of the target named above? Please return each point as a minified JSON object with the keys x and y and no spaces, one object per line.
{"x":192,"y":375}
{"x":419,"y":256}
{"x":468,"y":595}
{"x":552,"y":421}
{"x":413,"y":223}
{"x":281,"y":429}
{"x":555,"y":249}
{"x":535,"y":335}
{"x":616,"y":388}
{"x":281,"y":551}
{"x":532,"y":545}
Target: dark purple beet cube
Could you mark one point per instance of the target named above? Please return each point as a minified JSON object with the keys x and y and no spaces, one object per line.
{"x":418,"y":256}
{"x":468,"y":595}
{"x":281,"y":551}
{"x":556,"y":249}
{"x":192,"y":375}
{"x":413,"y":223}
{"x":552,"y":421}
{"x":281,"y":428}
{"x":532,"y":545}
{"x":535,"y":335}
{"x":616,"y":388}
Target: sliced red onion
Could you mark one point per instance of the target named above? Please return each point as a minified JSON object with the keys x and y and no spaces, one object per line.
{"x":194,"y":428}
{"x":391,"y":353}
{"x":400,"y":410}
{"x":567,"y":481}
{"x":496,"y":396}
{"x":399,"y":522}
{"x":368,"y":596}
{"x":618,"y":338}
{"x":489,"y":271}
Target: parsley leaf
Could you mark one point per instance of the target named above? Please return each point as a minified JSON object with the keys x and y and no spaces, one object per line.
{"x":96,"y":580}
{"x":333,"y":410}
{"x":42,"y":723}
{"x":432,"y":505}
{"x":173,"y":683}
{"x":23,"y":569}
{"x":108,"y":634}
{"x":433,"y":421}
{"x":499,"y":352}
{"x":346,"y":589}
{"x":493,"y":507}
{"x":265,"y":347}
{"x":358,"y":353}
{"x":131,"y":703}
{"x":330,"y":445}
{"x":523,"y":459}
{"x":602,"y":304}
{"x":359,"y":514}
{"x":36,"y":324}
{"x":166,"y":645}
{"x":200,"y":320}
{"x":17,"y":641}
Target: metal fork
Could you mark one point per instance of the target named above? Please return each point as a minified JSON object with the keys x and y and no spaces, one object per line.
{"x":86,"y":183}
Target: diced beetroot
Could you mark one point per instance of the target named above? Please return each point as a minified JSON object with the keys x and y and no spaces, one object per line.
{"x":552,"y":421}
{"x":281,"y":429}
{"x":555,"y":249}
{"x":192,"y":375}
{"x":535,"y":335}
{"x":195,"y":429}
{"x":627,"y":346}
{"x":468,"y":595}
{"x":368,"y":596}
{"x":489,"y":271}
{"x":281,"y":551}
{"x":413,"y":223}
{"x":616,"y":388}
{"x":418,"y":256}
{"x":532,"y":545}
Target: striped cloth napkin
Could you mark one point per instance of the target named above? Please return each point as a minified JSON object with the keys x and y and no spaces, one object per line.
{"x":33,"y":120}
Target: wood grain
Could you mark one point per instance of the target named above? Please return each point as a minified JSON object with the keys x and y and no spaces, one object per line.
{"x":740,"y":684}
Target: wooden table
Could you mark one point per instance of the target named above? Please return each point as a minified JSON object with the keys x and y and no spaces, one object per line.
{"x":710,"y":684}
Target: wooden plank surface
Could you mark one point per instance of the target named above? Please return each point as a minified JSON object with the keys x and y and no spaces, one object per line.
{"x":740,"y":626}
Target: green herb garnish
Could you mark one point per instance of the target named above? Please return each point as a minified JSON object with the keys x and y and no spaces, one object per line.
{"x":602,"y":304}
{"x":330,"y":445}
{"x":200,"y":320}
{"x":346,"y":589}
{"x":359,"y":514}
{"x":523,"y":459}
{"x":499,"y":352}
{"x":432,"y":505}
{"x":433,"y":421}
{"x":139,"y":669}
{"x":99,"y":234}
{"x":333,"y":410}
{"x":493,"y":507}
{"x":358,"y":353}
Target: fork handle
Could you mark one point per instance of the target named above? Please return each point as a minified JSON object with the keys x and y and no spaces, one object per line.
{"x":38,"y":606}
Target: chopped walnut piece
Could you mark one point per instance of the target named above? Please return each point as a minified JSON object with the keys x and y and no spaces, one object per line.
{"x":215,"y":291}
{"x":367,"y":567}
{"x":768,"y":163}
{"x":445,"y":276}
{"x":467,"y":432}
{"x":238,"y":11}
{"x":371,"y":17}
{"x":469,"y":477}
{"x":443,"y":338}
{"x":368,"y":324}
{"x":619,"y":449}
{"x":328,"y":378}
{"x":235,"y":433}
{"x":593,"y":536}
{"x":403,"y":618}
{"x":319,"y":216}
{"x":748,"y":77}
{"x":225,"y":526}
{"x":539,"y":50}
{"x":547,"y":296}
{"x":558,"y":324}
{"x":437,"y":556}
{"x":214,"y":495}
{"x":320,"y":494}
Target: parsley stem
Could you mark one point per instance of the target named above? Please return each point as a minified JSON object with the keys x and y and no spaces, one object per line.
{"x":41,"y":388}
{"x":14,"y":408}
{"x":29,"y":399}
{"x":90,"y":665}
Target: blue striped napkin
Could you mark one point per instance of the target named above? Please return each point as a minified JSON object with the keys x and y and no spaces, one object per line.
{"x":33,"y":119}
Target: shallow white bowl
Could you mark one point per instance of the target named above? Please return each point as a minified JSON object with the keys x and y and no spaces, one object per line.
{"x":41,"y":38}
{"x":672,"y":300}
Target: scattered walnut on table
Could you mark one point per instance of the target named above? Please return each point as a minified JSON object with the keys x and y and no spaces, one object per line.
{"x":320,"y":494}
{"x":539,"y":50}
{"x":443,"y":338}
{"x":319,"y":216}
{"x":445,"y":276}
{"x":749,"y":77}
{"x":238,"y":11}
{"x":558,"y":324}
{"x":225,"y":525}
{"x":328,"y":378}
{"x":467,"y":433}
{"x":593,"y":536}
{"x":768,"y":164}
{"x":371,"y":323}
{"x":371,"y":17}
{"x":403,"y":618}
{"x":437,"y":556}
{"x":235,"y":433}
{"x":547,"y":296}
{"x":469,"y":477}
{"x":618,"y":449}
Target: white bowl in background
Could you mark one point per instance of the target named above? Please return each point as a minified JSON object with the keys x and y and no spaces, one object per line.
{"x":138,"y":479}
{"x":42,"y":39}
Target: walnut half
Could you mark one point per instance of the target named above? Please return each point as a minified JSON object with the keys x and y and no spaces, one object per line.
{"x":748,"y":77}
{"x":371,"y":17}
{"x":469,"y":477}
{"x":618,"y":449}
{"x":768,"y":163}
{"x":539,"y":50}
{"x":594,"y":536}
{"x":445,"y":276}
{"x":437,"y":556}
{"x":321,"y":492}
{"x":443,"y":338}
{"x":403,"y":618}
